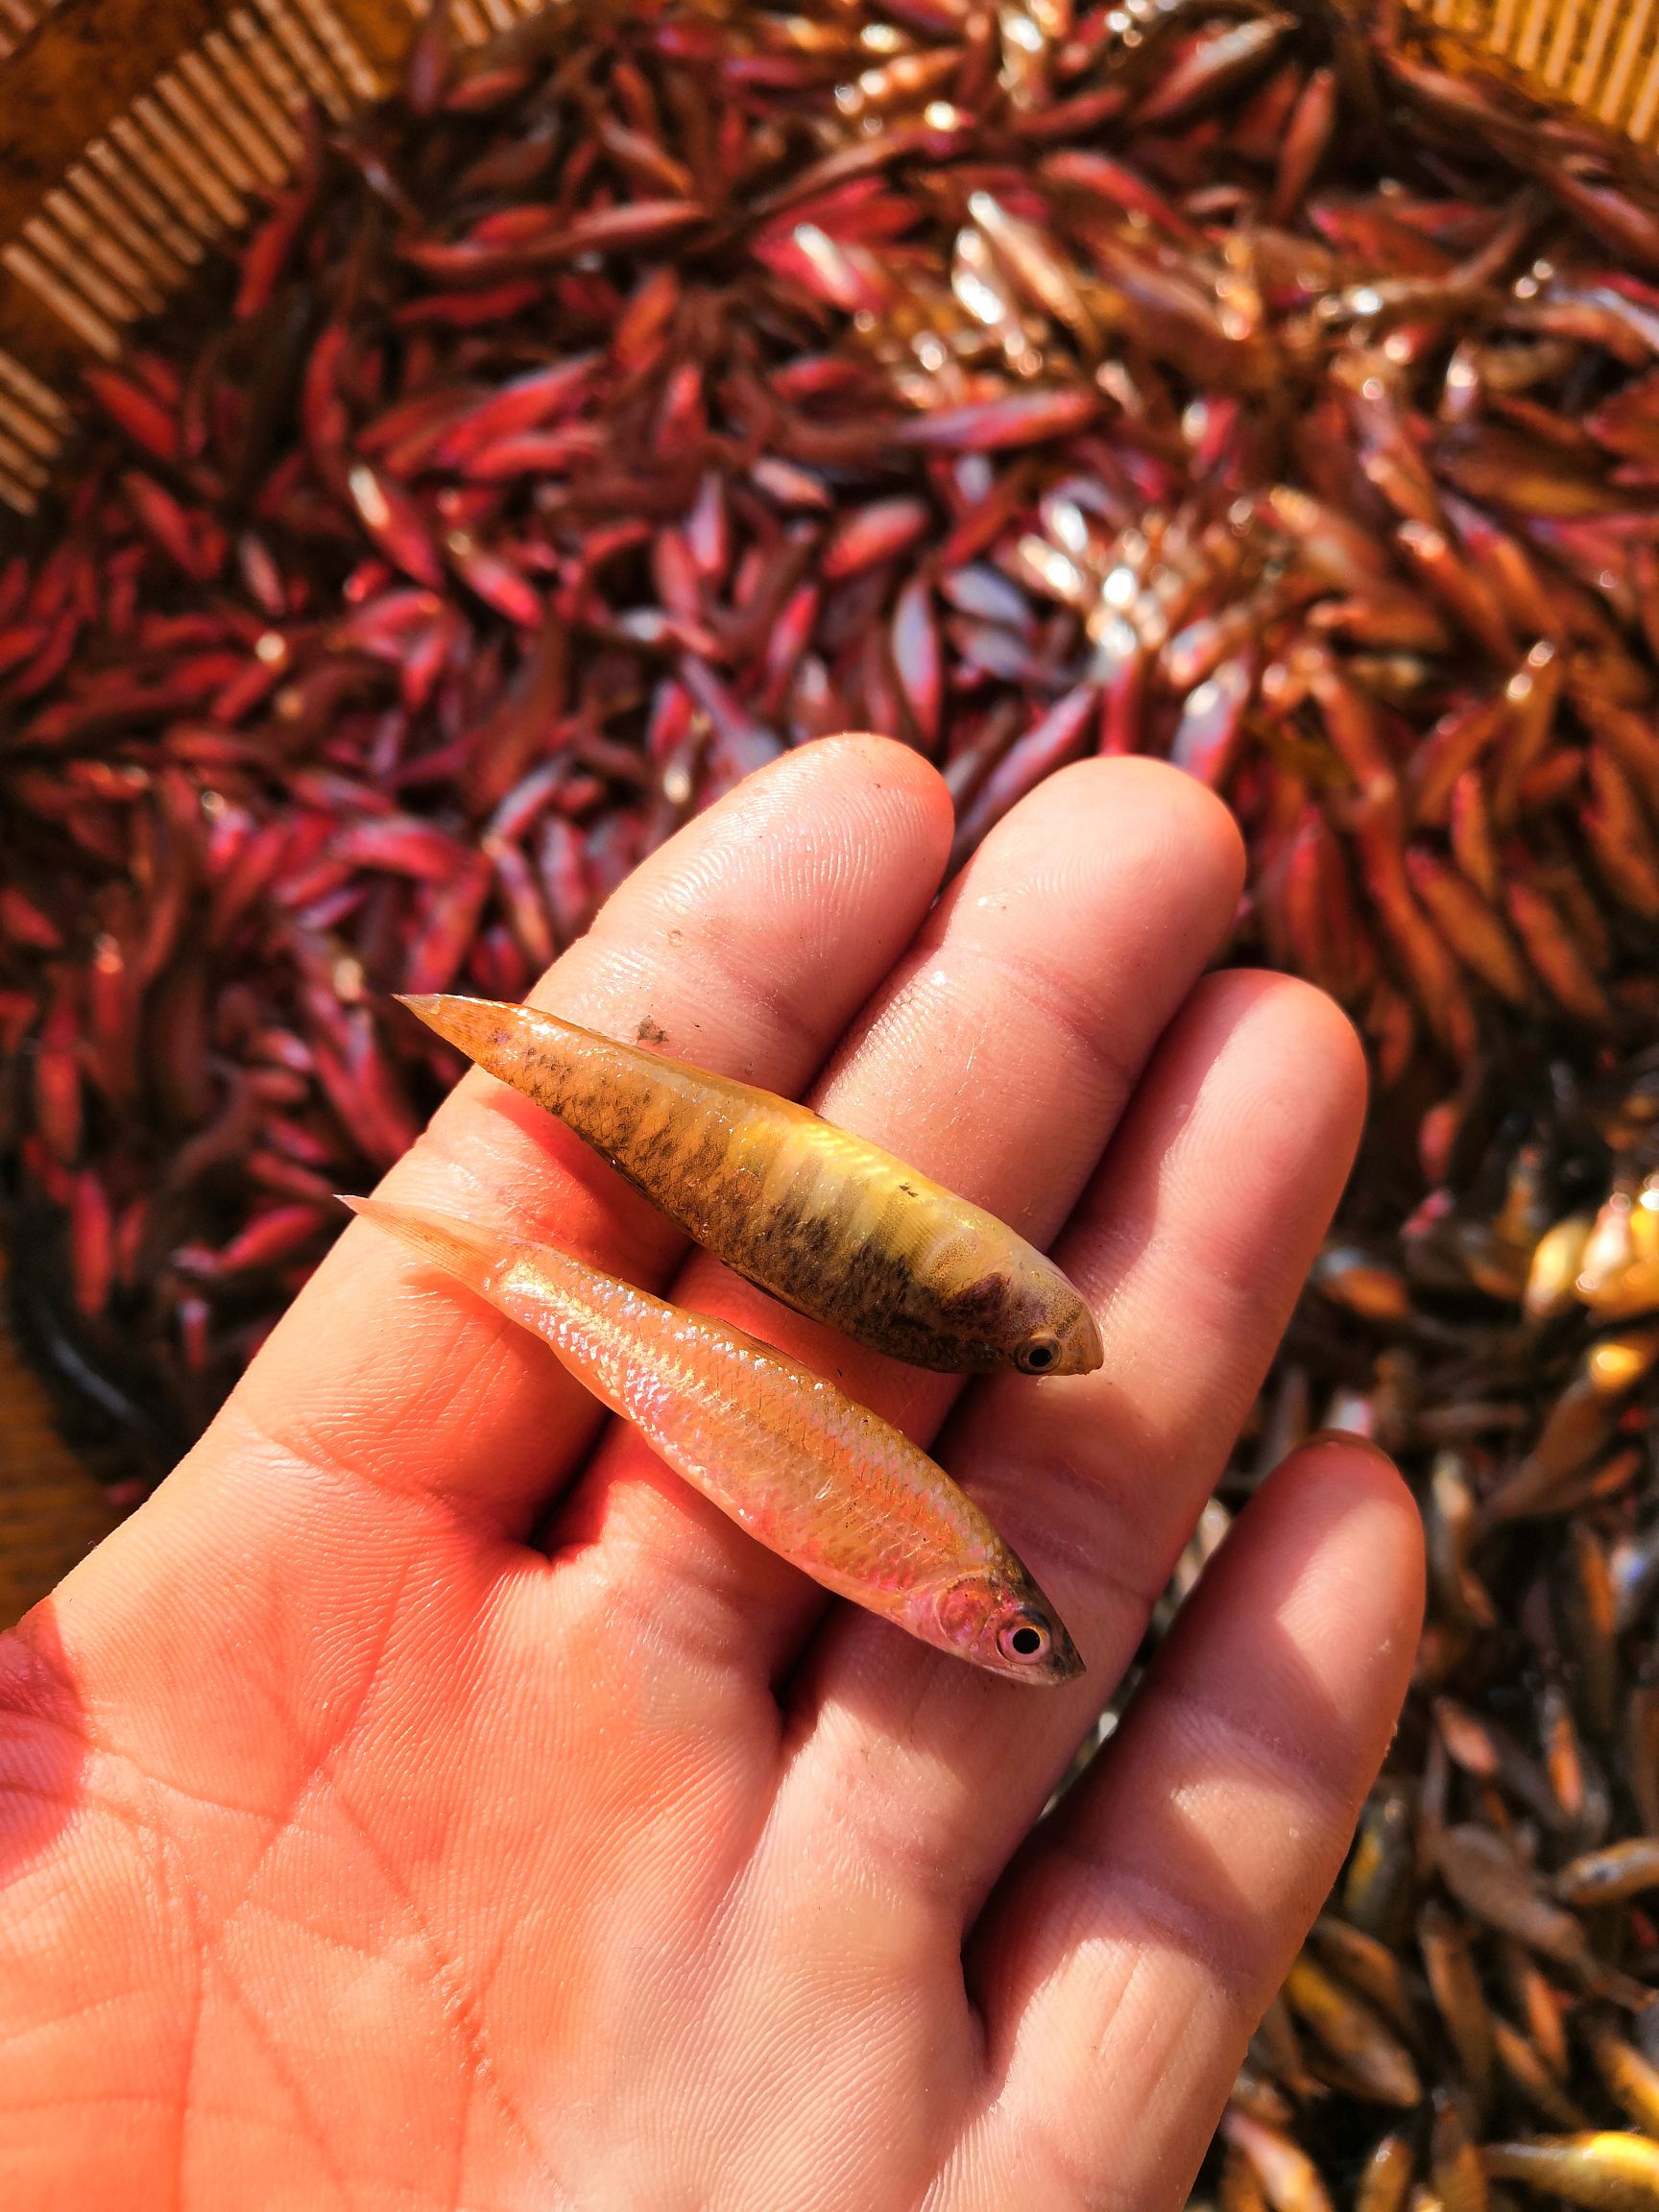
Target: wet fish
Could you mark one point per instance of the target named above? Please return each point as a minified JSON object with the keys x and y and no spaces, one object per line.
{"x":1385,"y":2180}
{"x":1611,"y":1875}
{"x":825,"y":1220}
{"x":1611,"y":2173}
{"x":822,"y":1482}
{"x":1350,"y":2032}
{"x":1631,"y":2079}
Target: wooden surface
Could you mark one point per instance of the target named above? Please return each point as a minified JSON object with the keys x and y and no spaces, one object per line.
{"x":52,"y":1513}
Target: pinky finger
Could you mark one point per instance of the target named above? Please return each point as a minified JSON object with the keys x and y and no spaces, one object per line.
{"x":1130,"y":1953}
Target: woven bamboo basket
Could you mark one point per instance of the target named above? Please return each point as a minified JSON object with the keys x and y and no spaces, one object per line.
{"x":135,"y":134}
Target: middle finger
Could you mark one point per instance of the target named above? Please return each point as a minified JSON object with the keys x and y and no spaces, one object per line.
{"x":997,"y":1058}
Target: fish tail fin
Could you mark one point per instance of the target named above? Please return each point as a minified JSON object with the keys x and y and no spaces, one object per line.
{"x":482,"y":1028}
{"x":464,"y":1249}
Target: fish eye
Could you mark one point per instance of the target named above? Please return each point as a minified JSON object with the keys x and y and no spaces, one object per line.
{"x":1038,"y":1354}
{"x":1025,"y":1638}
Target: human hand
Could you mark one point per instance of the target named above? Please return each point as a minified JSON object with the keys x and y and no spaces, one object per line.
{"x":357,"y":1853}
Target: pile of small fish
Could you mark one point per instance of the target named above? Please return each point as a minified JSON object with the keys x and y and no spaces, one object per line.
{"x":653,"y":389}
{"x":1483,"y":1974}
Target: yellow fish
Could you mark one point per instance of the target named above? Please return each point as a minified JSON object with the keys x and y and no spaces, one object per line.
{"x":827,"y":1221}
{"x":1611,"y":2173}
{"x":828,"y":1485}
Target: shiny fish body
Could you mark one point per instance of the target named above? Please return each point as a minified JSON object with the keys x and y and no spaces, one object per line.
{"x":823,"y":1219}
{"x":830,"y":1486}
{"x":1609,"y":2173}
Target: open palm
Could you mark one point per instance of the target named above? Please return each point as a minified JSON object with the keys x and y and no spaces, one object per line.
{"x":356,"y":1850}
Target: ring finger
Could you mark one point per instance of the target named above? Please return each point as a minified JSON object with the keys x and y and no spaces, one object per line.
{"x":1192,"y":1246}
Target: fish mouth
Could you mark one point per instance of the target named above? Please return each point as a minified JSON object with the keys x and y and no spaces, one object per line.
{"x":1063,"y":1662}
{"x":1068,"y":1343}
{"x":1084,"y":1349}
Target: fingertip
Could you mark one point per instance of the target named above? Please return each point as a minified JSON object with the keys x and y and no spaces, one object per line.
{"x":1332,"y":1036}
{"x":1357,"y":1506}
{"x":864,"y":762}
{"x":1243,"y":1132}
{"x":845,"y":831}
{"x":1311,"y":1611}
{"x":1335,"y":1528}
{"x":1202,"y":825}
{"x":1165,"y":850}
{"x":1315,"y":1033}
{"x":888,"y":757}
{"x":1129,"y":785}
{"x":1344,"y":1451}
{"x":1296,"y":1071}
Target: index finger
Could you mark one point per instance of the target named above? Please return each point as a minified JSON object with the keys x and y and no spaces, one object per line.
{"x":745,"y":944}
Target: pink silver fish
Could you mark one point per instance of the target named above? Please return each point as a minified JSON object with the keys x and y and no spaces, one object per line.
{"x":822,"y":1482}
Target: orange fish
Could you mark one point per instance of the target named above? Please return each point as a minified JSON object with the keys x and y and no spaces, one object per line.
{"x":1614,"y":2171}
{"x":828,"y":1485}
{"x":827,"y":1221}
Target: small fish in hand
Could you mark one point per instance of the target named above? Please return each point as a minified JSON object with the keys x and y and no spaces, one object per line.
{"x":828,"y":1485}
{"x":825,"y":1220}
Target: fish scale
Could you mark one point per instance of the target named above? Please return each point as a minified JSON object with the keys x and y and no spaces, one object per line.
{"x":809,"y":1473}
